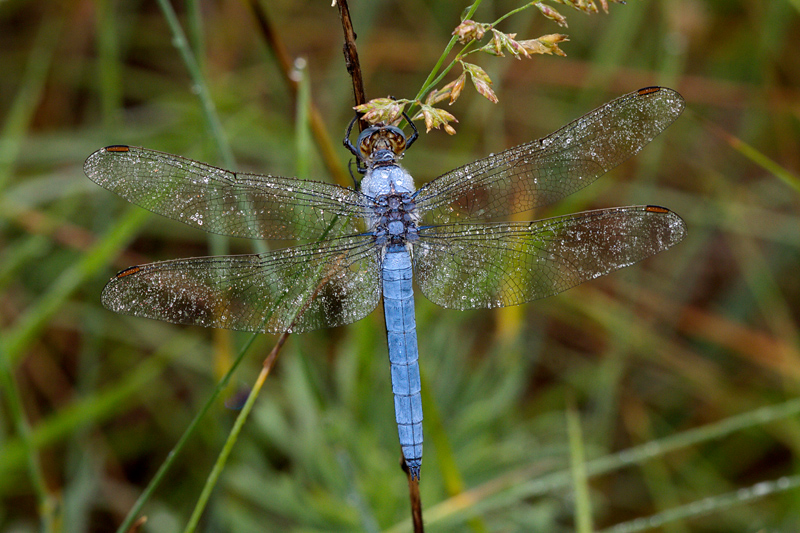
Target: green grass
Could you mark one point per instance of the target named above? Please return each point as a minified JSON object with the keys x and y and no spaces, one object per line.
{"x":682,"y":370}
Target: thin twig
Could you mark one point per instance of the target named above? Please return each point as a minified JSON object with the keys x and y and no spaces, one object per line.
{"x":138,"y":525}
{"x":354,"y":69}
{"x":350,"y":51}
{"x":416,"y":504}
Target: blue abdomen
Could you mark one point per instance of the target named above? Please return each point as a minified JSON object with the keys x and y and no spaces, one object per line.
{"x":401,"y":333}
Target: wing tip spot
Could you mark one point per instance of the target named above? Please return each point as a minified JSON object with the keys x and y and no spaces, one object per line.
{"x":128,"y":271}
{"x":117,"y":148}
{"x":657,"y":209}
{"x":648,"y":90}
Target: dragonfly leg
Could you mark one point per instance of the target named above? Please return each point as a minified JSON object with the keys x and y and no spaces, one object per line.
{"x":360,"y":166}
{"x":350,"y":169}
{"x":347,"y":143}
{"x":414,"y":135}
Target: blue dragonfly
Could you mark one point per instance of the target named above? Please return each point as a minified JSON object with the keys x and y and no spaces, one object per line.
{"x":372,"y":242}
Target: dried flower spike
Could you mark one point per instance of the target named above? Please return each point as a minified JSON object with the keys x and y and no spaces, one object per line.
{"x":470,"y":30}
{"x":552,"y":14}
{"x":481,"y":81}
{"x":436,"y":118}
{"x":384,"y":110}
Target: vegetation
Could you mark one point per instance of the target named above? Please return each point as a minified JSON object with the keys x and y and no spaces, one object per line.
{"x":659,"y":398}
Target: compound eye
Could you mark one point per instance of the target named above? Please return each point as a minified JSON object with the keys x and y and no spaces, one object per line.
{"x":366,"y":140}
{"x":396,"y":139}
{"x":377,"y":138}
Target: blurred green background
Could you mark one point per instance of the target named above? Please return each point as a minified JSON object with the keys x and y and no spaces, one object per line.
{"x":682,"y":371}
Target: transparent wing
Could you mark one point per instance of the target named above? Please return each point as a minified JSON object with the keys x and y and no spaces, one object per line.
{"x":331,"y":283}
{"x":469,"y":266}
{"x":229,"y":203}
{"x":544,"y":171}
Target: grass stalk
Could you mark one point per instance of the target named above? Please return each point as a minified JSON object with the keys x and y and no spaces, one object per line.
{"x":528,"y":483}
{"x":199,"y":85}
{"x":176,"y":450}
{"x":48,"y":503}
{"x":708,"y":505}
{"x":37,"y":316}
{"x":580,"y":479}
{"x":219,"y":465}
{"x":18,"y":117}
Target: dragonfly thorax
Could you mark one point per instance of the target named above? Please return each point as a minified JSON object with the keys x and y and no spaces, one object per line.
{"x":396,"y":219}
{"x":386,"y":179}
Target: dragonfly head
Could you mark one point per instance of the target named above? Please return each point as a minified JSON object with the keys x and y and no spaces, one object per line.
{"x":381,"y":143}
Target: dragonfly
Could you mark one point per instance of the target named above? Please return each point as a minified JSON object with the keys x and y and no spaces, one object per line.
{"x":373,"y":242}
